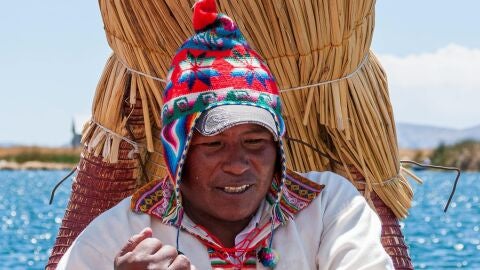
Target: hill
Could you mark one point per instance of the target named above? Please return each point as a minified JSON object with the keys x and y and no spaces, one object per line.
{"x":464,"y":155}
{"x":428,"y":137}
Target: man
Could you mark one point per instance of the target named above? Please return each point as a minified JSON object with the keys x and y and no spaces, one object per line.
{"x":229,"y":201}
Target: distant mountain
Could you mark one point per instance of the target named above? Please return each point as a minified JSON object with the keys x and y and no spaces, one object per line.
{"x":410,"y":136}
{"x":7,"y":144}
{"x":420,"y":136}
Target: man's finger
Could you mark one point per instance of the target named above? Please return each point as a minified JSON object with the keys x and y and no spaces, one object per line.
{"x":181,"y":262}
{"x":148,"y":246}
{"x":163,"y":256}
{"x":135,"y":240}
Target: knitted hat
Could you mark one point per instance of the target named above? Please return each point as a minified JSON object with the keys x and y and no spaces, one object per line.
{"x":215,"y":68}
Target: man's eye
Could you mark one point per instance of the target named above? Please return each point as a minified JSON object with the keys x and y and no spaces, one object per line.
{"x":254,"y":141}
{"x":212,"y":144}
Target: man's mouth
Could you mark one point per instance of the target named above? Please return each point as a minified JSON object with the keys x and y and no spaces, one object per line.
{"x":236,"y":190}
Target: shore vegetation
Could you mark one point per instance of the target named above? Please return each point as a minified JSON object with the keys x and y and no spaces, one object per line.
{"x":35,"y":157}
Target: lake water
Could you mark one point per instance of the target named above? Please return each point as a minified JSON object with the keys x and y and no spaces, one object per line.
{"x":437,"y":240}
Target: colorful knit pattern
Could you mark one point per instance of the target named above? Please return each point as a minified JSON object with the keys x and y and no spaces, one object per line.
{"x":175,"y":136}
{"x":220,"y":260}
{"x":297,"y":193}
{"x":268,"y":257}
{"x":197,"y":102}
{"x":214,"y":67}
{"x":155,"y":198}
{"x":216,"y":57}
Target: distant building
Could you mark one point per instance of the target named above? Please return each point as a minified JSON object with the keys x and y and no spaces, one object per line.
{"x":76,"y":136}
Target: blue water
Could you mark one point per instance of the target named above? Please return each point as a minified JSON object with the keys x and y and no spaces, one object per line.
{"x":437,"y":240}
{"x":441,"y":240}
{"x":29,"y":224}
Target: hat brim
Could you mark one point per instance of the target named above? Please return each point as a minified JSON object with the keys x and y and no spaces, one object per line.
{"x":217,"y":119}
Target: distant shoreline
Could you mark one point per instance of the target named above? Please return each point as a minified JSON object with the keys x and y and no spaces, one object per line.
{"x":34,"y":165}
{"x":38,"y":158}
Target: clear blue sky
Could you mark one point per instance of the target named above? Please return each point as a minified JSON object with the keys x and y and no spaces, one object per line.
{"x":52,"y":54}
{"x":419,"y":26}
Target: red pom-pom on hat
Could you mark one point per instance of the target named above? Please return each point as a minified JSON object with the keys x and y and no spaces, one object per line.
{"x":204,"y":13}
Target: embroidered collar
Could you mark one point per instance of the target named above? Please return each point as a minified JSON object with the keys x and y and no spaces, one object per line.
{"x":298,"y":192}
{"x":155,"y":198}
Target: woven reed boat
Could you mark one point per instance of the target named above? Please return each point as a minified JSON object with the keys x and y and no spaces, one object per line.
{"x":335,"y":94}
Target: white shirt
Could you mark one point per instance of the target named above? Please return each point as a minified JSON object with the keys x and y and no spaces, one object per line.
{"x":338,"y":230}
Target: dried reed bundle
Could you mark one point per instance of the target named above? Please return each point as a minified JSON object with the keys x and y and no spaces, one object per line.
{"x":97,"y":187}
{"x":142,"y":53}
{"x":335,"y":93}
{"x":133,"y":33}
{"x":99,"y":183}
{"x":126,"y":111}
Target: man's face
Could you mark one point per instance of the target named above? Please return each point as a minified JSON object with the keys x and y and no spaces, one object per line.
{"x":226,"y":176}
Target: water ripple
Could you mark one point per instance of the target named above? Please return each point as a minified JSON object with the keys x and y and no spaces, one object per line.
{"x":437,"y":240}
{"x":27,"y":225}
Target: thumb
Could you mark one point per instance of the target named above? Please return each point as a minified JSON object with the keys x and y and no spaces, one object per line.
{"x":135,"y":240}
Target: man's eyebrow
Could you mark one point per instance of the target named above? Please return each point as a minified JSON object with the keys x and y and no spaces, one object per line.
{"x":253,"y":129}
{"x":258,"y":128}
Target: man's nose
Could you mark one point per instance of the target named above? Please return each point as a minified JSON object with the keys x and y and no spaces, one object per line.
{"x":236,"y":161}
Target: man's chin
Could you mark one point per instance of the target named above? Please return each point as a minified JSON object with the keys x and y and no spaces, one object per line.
{"x":233,"y":215}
